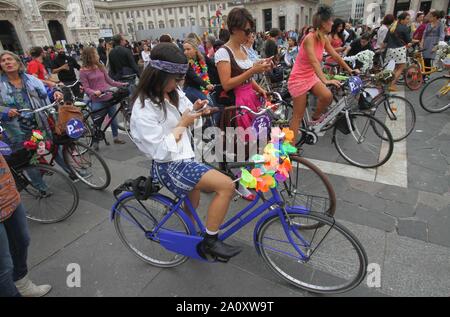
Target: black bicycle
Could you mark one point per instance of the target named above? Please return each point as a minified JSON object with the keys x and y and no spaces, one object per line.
{"x":94,"y":121}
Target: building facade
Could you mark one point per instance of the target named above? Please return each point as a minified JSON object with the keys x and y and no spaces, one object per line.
{"x":27,"y":23}
{"x":396,"y":6}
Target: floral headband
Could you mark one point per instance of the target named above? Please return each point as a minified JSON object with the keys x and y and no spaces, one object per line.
{"x":168,"y":67}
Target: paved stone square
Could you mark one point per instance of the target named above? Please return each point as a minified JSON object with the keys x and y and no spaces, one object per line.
{"x":405,"y":230}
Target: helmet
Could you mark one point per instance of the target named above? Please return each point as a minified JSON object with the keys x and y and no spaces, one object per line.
{"x":365,"y":101}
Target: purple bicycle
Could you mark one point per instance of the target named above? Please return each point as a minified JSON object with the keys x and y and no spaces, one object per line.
{"x":304,"y":247}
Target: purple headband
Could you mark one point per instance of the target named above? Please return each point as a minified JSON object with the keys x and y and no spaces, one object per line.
{"x":169,"y":67}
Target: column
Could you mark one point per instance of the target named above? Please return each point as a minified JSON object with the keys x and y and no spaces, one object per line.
{"x":33,"y":23}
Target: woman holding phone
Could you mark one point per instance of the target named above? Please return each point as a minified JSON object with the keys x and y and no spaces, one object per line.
{"x":236,"y":70}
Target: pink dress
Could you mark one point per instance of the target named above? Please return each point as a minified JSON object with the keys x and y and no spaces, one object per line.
{"x":303,"y":77}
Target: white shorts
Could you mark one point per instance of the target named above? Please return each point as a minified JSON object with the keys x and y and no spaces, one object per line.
{"x":396,"y":54}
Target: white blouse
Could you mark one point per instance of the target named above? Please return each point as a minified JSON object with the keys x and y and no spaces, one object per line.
{"x":152,"y":131}
{"x":222,"y":55}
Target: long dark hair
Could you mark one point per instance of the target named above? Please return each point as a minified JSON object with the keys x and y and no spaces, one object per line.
{"x":152,"y":81}
{"x":334,"y":29}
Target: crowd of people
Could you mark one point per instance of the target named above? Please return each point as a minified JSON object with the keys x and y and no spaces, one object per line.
{"x":177,"y":79}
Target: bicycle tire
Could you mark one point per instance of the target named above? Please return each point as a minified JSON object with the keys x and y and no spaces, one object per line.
{"x":389,"y":111}
{"x":307,"y":184}
{"x":272,"y":247}
{"x":343,"y":147}
{"x":81,"y":163}
{"x":413,"y":77}
{"x":425,"y":101}
{"x":37,"y":203}
{"x":131,"y":204}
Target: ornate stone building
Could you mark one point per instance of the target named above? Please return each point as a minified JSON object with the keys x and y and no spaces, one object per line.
{"x":26,"y":23}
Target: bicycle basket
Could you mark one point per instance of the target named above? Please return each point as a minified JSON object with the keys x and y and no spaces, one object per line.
{"x":306,"y":202}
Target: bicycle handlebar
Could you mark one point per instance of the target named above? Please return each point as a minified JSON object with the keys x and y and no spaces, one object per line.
{"x":31,"y":111}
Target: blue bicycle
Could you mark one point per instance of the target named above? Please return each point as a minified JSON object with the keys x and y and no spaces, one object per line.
{"x":305,"y":247}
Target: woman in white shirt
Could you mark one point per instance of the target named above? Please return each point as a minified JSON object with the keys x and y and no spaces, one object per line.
{"x":160,"y":120}
{"x":146,"y":55}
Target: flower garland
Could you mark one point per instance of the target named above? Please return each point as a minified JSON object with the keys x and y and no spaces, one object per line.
{"x":442,"y":52}
{"x":201,"y":69}
{"x":274,"y":165}
{"x":38,"y":143}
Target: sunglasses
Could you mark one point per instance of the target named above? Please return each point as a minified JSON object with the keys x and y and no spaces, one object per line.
{"x":247,"y":31}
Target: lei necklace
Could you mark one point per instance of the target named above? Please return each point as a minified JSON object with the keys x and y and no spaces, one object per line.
{"x":201,"y":70}
{"x":275,"y":163}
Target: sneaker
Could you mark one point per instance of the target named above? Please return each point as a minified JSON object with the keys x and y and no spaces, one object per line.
{"x":317,"y":121}
{"x":119,"y":141}
{"x":27,"y":288}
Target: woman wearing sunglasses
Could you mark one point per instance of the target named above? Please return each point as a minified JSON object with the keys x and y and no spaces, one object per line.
{"x":236,"y":70}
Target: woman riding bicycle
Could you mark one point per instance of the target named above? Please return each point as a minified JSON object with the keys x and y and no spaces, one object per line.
{"x":307,"y":74}
{"x":160,"y":120}
{"x":96,"y":81}
{"x":18,"y":91}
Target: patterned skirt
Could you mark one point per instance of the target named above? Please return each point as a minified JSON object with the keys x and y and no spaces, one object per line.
{"x":180,"y":177}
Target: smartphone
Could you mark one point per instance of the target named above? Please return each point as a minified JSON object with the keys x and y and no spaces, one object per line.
{"x":200,"y":110}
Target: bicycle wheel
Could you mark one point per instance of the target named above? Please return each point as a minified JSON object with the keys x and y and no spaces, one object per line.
{"x":126,"y":122}
{"x":398,"y":114}
{"x":360,"y":144}
{"x":413,"y":77}
{"x":308,"y":187}
{"x":87,"y":165}
{"x":435,"y":95}
{"x":334,"y":260}
{"x":48,"y":195}
{"x":133,"y":219}
{"x":88,"y":135}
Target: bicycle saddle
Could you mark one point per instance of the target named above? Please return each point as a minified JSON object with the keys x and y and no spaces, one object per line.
{"x":143,"y":187}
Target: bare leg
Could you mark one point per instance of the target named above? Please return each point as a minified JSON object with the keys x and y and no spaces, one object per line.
{"x":223,"y":186}
{"x":297,"y":116}
{"x":325,"y":98}
{"x":399,"y":68}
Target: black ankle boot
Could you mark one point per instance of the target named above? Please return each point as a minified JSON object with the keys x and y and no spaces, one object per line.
{"x":213,"y":246}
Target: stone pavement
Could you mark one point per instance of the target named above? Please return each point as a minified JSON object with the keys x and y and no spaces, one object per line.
{"x":406,"y":231}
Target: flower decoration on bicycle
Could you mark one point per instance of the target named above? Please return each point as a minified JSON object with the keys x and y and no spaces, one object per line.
{"x":39,"y":144}
{"x":275,"y":163}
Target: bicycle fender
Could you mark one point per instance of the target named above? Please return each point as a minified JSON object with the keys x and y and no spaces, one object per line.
{"x":160,"y":198}
{"x":264,"y":218}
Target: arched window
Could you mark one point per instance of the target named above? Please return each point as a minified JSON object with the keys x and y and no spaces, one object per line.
{"x":119,"y":28}
{"x":103,"y":26}
{"x":161,"y":25}
{"x":140,"y":26}
{"x":151,"y":25}
{"x":172,"y":23}
{"x":204,"y":22}
{"x":182,"y":23}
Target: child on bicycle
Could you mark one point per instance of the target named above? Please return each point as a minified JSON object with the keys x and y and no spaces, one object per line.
{"x":160,"y":122}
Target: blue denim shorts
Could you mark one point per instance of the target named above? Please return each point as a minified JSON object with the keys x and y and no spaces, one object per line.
{"x":180,"y":177}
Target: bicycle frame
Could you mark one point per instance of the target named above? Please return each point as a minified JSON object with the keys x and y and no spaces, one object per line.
{"x":425,"y":70}
{"x":186,"y":243}
{"x":91,"y":114}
